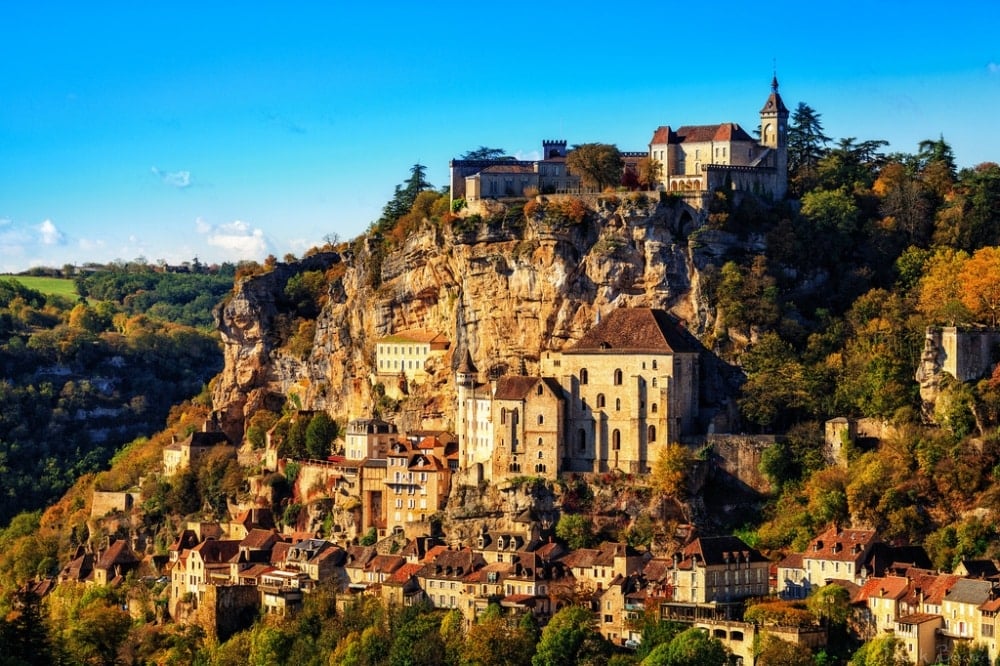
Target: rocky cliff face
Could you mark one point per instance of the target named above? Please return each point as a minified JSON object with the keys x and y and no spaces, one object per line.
{"x":507,"y":289}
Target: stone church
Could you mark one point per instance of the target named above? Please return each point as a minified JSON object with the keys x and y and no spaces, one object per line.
{"x":605,"y":403}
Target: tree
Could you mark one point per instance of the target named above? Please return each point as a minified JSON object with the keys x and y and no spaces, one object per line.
{"x":484,"y":153}
{"x":575,"y":529}
{"x":320,"y":433}
{"x":497,"y":640}
{"x":979,"y":285}
{"x":650,"y":172}
{"x":939,"y":297}
{"x":692,"y":647}
{"x":404,"y":197}
{"x":931,"y":151}
{"x":831,"y":604}
{"x":599,"y":165}
{"x":417,"y":642}
{"x":670,"y":471}
{"x":776,"y":652}
{"x":570,"y":638}
{"x":885,"y":650}
{"x":806,"y":145}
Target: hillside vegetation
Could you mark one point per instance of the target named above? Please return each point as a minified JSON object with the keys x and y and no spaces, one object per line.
{"x":819,"y":306}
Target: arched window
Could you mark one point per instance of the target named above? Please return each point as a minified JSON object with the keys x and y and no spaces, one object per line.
{"x":616,"y":440}
{"x":541,"y":454}
{"x":651,"y":434}
{"x":583,"y":375}
{"x":653,"y":408}
{"x":600,"y":400}
{"x":618,"y":377}
{"x":618,"y":404}
{"x":654,"y":364}
{"x":539,"y":444}
{"x":541,"y":419}
{"x":539,"y":388}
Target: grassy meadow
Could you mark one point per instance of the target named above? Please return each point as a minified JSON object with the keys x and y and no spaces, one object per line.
{"x":64,"y":287}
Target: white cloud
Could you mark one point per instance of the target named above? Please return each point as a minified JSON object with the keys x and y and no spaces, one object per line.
{"x":237,"y":239}
{"x":178,"y":179}
{"x":49,"y":234}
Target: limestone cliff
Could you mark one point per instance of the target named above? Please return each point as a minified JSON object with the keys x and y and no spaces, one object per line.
{"x":504,"y":286}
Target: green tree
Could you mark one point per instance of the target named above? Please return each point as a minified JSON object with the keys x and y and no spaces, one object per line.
{"x":776,"y":652}
{"x":417,"y":641}
{"x":404,"y":197}
{"x":806,"y":146}
{"x":831,"y":604}
{"x":497,"y":640}
{"x":576,"y":530}
{"x":692,"y":647}
{"x":885,"y":650}
{"x":599,"y":165}
{"x":485,"y":153}
{"x":570,"y":638}
{"x":320,"y":433}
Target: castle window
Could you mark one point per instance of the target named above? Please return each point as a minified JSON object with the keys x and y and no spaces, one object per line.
{"x":583,"y":375}
{"x":654,"y":364}
{"x":541,"y":455}
{"x":600,"y":400}
{"x":503,"y":415}
{"x":616,"y":440}
{"x":541,"y":419}
{"x":652,"y":408}
{"x":539,"y":388}
{"x":651,"y":434}
{"x":654,"y":382}
{"x":618,"y":404}
{"x":618,"y":377}
{"x":539,"y":444}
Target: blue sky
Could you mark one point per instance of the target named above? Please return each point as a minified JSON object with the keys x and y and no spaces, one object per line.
{"x":230,"y":131}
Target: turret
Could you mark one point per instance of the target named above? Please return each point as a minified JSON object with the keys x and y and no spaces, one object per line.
{"x":774,"y":135}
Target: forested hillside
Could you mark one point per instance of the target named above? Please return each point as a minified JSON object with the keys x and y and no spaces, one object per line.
{"x":817,"y":305}
{"x":82,"y":377}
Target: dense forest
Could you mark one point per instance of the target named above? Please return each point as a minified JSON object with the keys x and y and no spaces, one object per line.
{"x":80,"y":379}
{"x":827,"y":320}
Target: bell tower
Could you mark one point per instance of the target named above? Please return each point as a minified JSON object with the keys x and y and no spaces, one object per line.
{"x":774,"y":135}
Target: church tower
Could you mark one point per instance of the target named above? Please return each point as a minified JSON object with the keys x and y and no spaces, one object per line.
{"x":774,"y":135}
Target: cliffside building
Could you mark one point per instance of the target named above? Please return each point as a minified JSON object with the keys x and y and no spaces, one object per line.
{"x":697,"y":159}
{"x":407,"y":353}
{"x":606,"y":403}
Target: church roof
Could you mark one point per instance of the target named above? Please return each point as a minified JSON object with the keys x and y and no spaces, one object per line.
{"x":700,"y":134}
{"x":634,"y":330}
{"x":515,"y":387}
{"x":774,"y":101}
{"x":467,"y":366}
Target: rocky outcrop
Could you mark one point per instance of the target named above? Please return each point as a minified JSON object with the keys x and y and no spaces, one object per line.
{"x":506,"y":290}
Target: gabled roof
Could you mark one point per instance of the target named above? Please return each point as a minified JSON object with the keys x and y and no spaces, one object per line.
{"x":117,"y":553}
{"x":258,"y":539}
{"x":837,"y":545}
{"x":774,"y":101}
{"x":969,"y":591}
{"x":722,"y":550}
{"x":517,"y":387}
{"x":634,"y":330}
{"x":883,"y":587}
{"x":216,"y":550}
{"x":416,"y":336}
{"x":700,"y":134}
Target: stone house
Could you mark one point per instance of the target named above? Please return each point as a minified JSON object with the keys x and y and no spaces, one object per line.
{"x":528,"y":421}
{"x":882,"y":598}
{"x":368,"y":438}
{"x":712,"y":577}
{"x":115,"y":563}
{"x":406,"y":354}
{"x":179,"y":456}
{"x":417,"y":484}
{"x":505,"y":177}
{"x":473,"y":417}
{"x":918,"y":632}
{"x":838,"y":554}
{"x":443,"y":578}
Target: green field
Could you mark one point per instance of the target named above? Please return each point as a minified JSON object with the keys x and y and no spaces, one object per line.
{"x":47,"y":285}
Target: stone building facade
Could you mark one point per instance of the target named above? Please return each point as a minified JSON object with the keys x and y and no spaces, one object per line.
{"x":696,"y":159}
{"x":606,"y":403}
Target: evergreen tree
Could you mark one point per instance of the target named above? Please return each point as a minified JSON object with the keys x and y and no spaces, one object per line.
{"x":806,"y":146}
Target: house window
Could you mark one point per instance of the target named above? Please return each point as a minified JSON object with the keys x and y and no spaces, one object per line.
{"x":539,"y":388}
{"x":503,"y":415}
{"x":618,"y":377}
{"x":600,"y":401}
